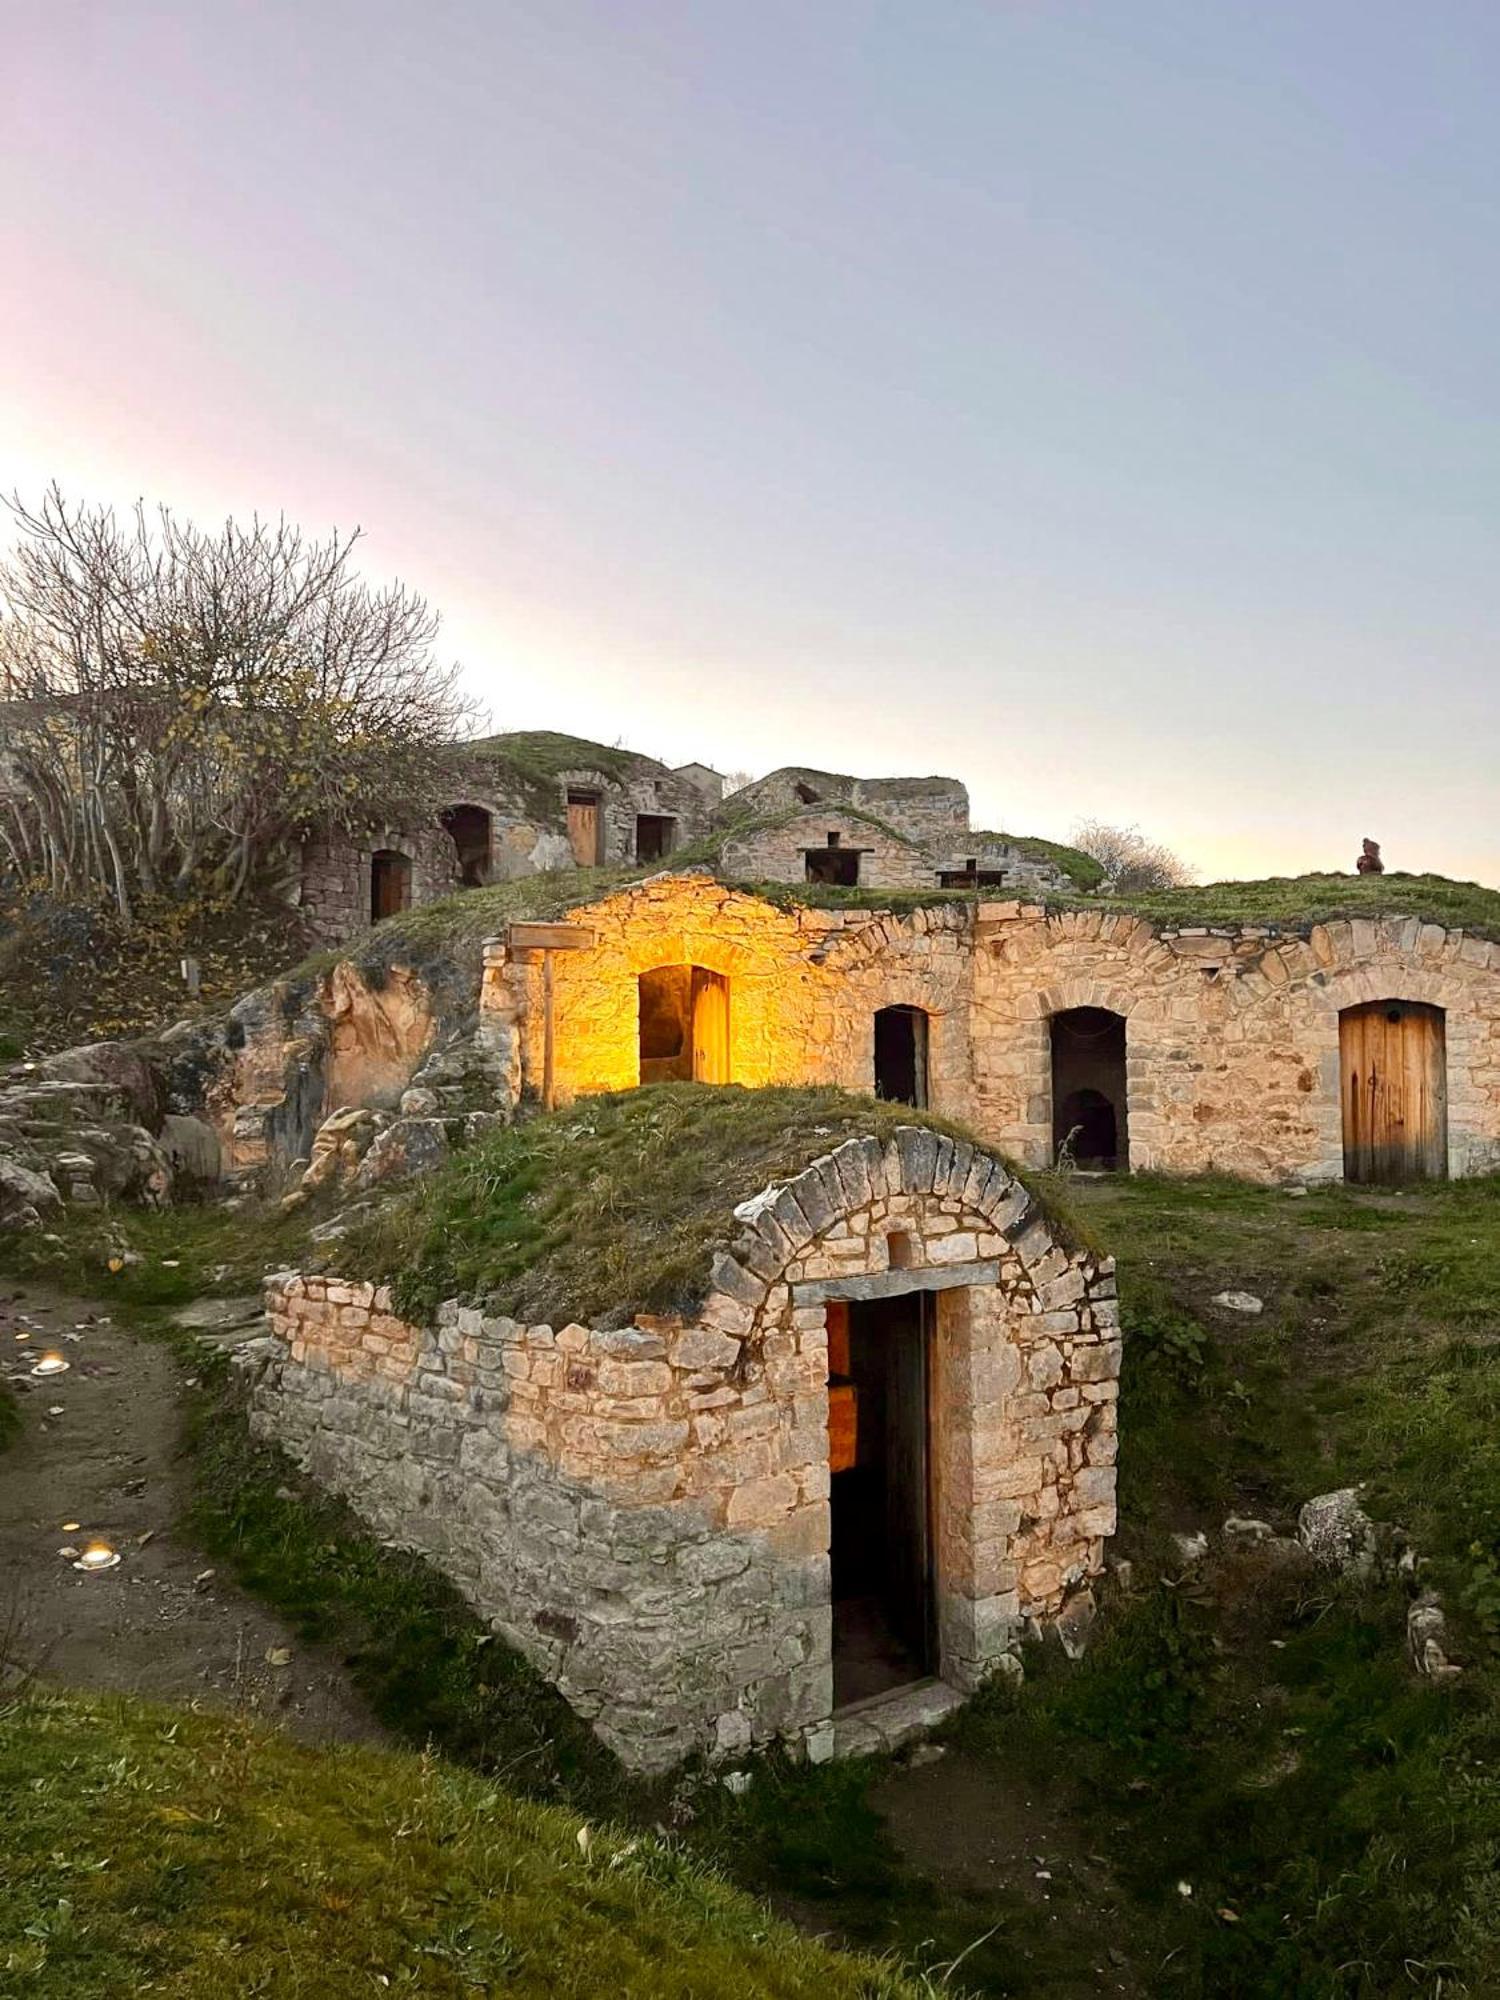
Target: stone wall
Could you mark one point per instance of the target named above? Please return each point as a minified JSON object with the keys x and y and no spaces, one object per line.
{"x":804,"y":986}
{"x":1232,"y":1036}
{"x":528,"y":835}
{"x":335,"y":875}
{"x":777,"y":852}
{"x":644,"y":1512}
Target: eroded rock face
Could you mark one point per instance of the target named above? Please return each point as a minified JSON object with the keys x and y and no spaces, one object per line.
{"x":379,"y":1035}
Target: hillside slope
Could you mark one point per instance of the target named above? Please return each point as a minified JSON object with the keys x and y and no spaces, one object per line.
{"x":151,"y":1849}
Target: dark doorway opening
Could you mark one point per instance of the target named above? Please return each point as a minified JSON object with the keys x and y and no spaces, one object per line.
{"x":390,"y":883}
{"x":971,"y":876}
{"x":655,"y":834}
{"x":834,"y":863}
{"x":468,"y":827}
{"x":585,"y":829}
{"x":1393,"y":1063}
{"x":684,"y":1025}
{"x":884,"y":1616}
{"x":901,"y":1055}
{"x":1088,"y":1088}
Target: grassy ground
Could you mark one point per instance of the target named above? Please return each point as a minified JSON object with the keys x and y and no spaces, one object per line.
{"x":611,"y":1207}
{"x":148,"y":1849}
{"x":1262,"y":1741}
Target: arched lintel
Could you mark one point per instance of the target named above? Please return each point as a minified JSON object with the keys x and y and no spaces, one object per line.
{"x":784,"y":1224}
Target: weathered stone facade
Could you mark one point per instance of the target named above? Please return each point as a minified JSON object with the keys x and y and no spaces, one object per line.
{"x":645,"y":1512}
{"x":909,"y":833}
{"x":519,"y":824}
{"x":1232,"y":1036}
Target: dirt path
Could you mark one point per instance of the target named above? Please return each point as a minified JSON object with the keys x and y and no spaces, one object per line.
{"x":99,"y":1448}
{"x":998,"y":1844}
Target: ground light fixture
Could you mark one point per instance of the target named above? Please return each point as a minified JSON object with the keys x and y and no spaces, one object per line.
{"x":98,"y":1555}
{"x":50,"y":1364}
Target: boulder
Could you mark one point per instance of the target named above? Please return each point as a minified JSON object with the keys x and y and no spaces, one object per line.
{"x":341,"y":1143}
{"x":192,"y":1148}
{"x":1337,"y":1532}
{"x":1239,"y":1302}
{"x":1075,"y":1623}
{"x":408,"y":1146}
{"x":25,"y":1196}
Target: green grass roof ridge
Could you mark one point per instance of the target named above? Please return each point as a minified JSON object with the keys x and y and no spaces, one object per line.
{"x":616,"y":1205}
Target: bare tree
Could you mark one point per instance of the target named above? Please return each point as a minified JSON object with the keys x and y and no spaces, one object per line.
{"x":174,"y":704}
{"x":1130,"y":861}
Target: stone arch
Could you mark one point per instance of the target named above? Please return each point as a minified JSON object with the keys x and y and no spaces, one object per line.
{"x":1025,"y":1360}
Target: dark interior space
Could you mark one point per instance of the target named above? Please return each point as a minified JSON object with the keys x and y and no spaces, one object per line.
{"x":390,"y":884}
{"x":654,"y":836}
{"x":468,"y":827}
{"x":971,"y":876}
{"x":901,"y":1055}
{"x":666,"y":1012}
{"x":883,"y":1614}
{"x":1088,"y":1087}
{"x":834,"y":863}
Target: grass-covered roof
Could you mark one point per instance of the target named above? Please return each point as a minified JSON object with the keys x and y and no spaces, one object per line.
{"x":612,"y":1207}
{"x":1297,"y":902}
{"x":458,"y":924}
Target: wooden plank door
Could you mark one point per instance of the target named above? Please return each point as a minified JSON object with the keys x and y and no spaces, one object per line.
{"x":710,"y":1026}
{"x":1393,"y":1064}
{"x":583,"y":829}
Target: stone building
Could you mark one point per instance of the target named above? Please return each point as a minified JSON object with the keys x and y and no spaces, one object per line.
{"x":817,"y":1510}
{"x":535,"y":802}
{"x":801,"y":825}
{"x":521,"y":804}
{"x":1245,"y":1051}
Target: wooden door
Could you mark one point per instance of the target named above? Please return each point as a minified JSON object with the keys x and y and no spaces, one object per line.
{"x":908,"y":1513}
{"x":710,"y":1026}
{"x":1393,"y":1062}
{"x":583,"y":828}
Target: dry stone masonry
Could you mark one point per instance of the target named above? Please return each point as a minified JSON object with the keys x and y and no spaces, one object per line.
{"x":644,"y":1512}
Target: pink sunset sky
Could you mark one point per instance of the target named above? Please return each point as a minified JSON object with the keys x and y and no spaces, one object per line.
{"x":1098,"y":404}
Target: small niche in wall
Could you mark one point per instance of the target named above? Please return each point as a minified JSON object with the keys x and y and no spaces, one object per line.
{"x":898,"y":1249}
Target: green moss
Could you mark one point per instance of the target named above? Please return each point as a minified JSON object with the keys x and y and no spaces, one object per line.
{"x":151,"y":1849}
{"x":612,"y":1207}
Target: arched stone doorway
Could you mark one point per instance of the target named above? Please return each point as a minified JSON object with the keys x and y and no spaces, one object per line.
{"x":1089,"y":1106}
{"x":469,"y":828}
{"x":1394,"y":1089}
{"x":390,"y":883}
{"x":684,"y":1025}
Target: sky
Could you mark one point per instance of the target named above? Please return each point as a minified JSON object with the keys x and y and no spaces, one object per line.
{"x":1096,"y":400}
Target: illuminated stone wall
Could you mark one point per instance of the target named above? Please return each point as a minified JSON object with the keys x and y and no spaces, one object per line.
{"x":645,"y":1512}
{"x":804,"y":986}
{"x":1232,"y":1036}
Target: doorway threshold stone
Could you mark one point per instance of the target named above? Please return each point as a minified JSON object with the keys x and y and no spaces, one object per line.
{"x":884,"y":1722}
